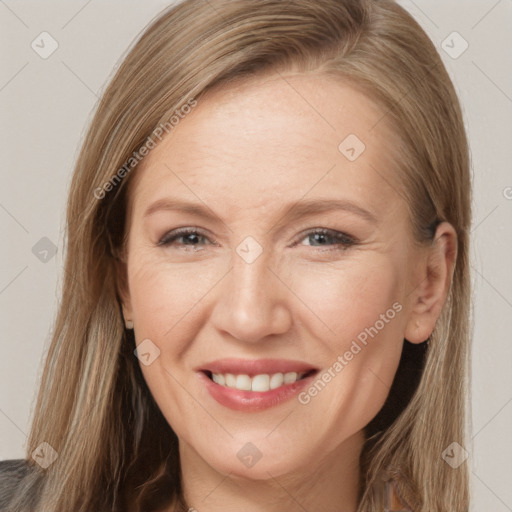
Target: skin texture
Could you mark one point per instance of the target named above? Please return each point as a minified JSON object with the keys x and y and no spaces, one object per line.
{"x":247,"y":153}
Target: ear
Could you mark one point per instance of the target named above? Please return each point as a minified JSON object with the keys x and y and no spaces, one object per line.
{"x":434,"y":280}
{"x":123,"y":291}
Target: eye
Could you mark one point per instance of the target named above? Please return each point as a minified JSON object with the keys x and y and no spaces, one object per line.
{"x":321,"y":237}
{"x":191,"y":237}
{"x":336,"y":240}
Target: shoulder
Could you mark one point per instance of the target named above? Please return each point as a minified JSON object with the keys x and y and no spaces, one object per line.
{"x":12,"y":473}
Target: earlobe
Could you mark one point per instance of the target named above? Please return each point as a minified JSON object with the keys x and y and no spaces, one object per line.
{"x":435,"y":279}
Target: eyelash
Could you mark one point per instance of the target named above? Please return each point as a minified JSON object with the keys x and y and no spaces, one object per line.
{"x":343,"y":242}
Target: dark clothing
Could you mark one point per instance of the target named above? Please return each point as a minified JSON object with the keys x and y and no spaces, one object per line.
{"x":12,"y":473}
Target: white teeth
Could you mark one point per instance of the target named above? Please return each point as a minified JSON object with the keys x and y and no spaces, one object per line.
{"x":258,"y":383}
{"x":243,"y":382}
{"x":230,"y":380}
{"x":276,"y":380}
{"x":219,"y":379}
{"x":290,"y":377}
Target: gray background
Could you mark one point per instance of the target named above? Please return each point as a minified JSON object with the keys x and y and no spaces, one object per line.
{"x":47,"y":103}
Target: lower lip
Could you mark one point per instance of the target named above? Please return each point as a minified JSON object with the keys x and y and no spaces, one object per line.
{"x":253,"y":400}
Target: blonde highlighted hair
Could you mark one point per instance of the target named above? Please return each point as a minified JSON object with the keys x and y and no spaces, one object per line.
{"x":115,"y":449}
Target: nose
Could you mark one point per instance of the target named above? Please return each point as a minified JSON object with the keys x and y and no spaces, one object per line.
{"x":253,"y":301}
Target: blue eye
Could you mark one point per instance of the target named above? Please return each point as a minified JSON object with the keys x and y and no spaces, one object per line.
{"x":191,"y":237}
{"x":329,"y":237}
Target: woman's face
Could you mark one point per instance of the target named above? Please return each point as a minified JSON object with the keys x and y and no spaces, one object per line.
{"x":252,"y":294}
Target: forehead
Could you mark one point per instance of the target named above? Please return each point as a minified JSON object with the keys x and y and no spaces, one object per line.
{"x":277,"y":135}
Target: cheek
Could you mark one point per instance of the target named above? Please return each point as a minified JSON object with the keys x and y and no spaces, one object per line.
{"x":166,"y":299}
{"x":166,"y":302}
{"x":352,"y":301}
{"x":364,"y":313}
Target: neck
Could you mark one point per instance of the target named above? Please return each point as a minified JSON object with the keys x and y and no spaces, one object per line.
{"x":328,"y":485}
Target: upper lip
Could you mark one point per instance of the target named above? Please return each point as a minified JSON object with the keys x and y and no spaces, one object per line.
{"x":253,"y":367}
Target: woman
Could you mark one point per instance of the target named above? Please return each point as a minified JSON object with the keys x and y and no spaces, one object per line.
{"x":209,"y":354}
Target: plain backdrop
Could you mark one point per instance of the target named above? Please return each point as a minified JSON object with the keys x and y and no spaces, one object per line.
{"x":46,"y":104}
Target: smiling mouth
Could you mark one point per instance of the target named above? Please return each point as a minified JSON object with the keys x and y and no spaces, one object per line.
{"x":260,"y":383}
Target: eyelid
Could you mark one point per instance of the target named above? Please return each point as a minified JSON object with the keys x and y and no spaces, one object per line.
{"x":342,"y":240}
{"x":178,"y":232}
{"x":334,"y":233}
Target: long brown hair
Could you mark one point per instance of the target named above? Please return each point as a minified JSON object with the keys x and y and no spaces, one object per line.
{"x":115,"y":449}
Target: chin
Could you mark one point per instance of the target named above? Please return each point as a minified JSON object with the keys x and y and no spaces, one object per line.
{"x":258,"y":460}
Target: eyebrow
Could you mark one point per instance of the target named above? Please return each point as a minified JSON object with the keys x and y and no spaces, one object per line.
{"x":293,"y":211}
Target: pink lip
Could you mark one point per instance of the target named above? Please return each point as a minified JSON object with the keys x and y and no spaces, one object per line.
{"x":250,"y":401}
{"x":254,"y":367}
